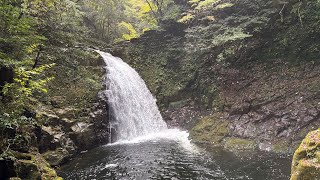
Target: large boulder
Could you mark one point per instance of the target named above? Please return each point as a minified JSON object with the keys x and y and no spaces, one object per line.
{"x":57,"y":157}
{"x":27,"y":166}
{"x":306,"y":159}
{"x":84,"y":135}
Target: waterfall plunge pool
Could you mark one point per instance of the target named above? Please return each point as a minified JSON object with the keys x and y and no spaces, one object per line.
{"x":169,"y":155}
{"x":147,"y":149}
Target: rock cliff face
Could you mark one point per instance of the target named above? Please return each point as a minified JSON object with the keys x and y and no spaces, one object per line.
{"x":75,"y":117}
{"x":243,"y":67}
{"x":65,"y":135}
{"x":244,"y":77}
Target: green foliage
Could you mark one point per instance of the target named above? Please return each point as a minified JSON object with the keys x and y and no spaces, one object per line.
{"x":225,"y":54}
{"x":25,"y":85}
{"x":206,"y":4}
{"x":11,"y":121}
{"x":20,"y":42}
{"x":14,"y":133}
{"x":131,"y":32}
{"x":78,"y":77}
{"x":173,"y":12}
{"x":229,"y":35}
{"x":164,"y":9}
{"x":185,"y":19}
{"x":114,"y":20}
{"x":294,"y":41}
{"x":222,"y":6}
{"x":18,"y":34}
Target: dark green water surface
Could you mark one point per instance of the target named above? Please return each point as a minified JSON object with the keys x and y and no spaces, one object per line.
{"x":168,"y":159}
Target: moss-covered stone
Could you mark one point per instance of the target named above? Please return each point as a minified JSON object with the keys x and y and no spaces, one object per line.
{"x":57,"y":157}
{"x":27,"y":169}
{"x":47,"y":173}
{"x":32,"y":166}
{"x":211,"y":129}
{"x":306,"y":159}
{"x":239,"y":144}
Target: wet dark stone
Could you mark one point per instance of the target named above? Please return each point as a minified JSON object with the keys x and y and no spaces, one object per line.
{"x":7,"y":169}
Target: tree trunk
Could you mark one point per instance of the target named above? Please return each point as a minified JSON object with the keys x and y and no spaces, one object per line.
{"x":36,"y":61}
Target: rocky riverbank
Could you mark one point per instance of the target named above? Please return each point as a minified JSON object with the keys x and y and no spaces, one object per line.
{"x":73,"y":117}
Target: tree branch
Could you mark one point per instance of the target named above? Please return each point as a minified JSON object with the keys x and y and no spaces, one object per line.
{"x":153,"y":12}
{"x":36,"y":61}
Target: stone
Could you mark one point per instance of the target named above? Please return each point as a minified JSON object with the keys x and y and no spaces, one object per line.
{"x":56,"y":157}
{"x":240,"y":109}
{"x":27,"y":169}
{"x":57,"y":101}
{"x":265,"y":146}
{"x":80,"y":127}
{"x":52,"y":119}
{"x":52,"y":138}
{"x":7,"y":168}
{"x":306,"y":159}
{"x":31,"y":166}
{"x":84,"y":135}
{"x":46,"y":139}
{"x":67,"y":112}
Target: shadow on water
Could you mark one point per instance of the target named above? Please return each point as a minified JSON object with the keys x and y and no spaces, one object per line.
{"x":167,"y":159}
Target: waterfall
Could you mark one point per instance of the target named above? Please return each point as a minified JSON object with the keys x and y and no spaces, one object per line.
{"x":133,"y":109}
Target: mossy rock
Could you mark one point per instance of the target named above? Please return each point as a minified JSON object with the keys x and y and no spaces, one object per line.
{"x":57,"y":157}
{"x":238,"y":144}
{"x":32,"y":166}
{"x":211,"y":129}
{"x":47,"y":173}
{"x":57,"y":101}
{"x":27,"y":169}
{"x":306,"y":159}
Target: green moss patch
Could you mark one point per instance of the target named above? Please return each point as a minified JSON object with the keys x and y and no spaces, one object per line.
{"x":306,"y":159}
{"x":211,"y":129}
{"x":32,"y":166}
{"x":239,"y":144}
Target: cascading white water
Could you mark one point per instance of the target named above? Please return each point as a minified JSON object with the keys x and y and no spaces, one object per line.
{"x":132,"y":104}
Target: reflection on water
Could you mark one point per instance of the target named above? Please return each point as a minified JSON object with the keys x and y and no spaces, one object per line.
{"x":163,"y":158}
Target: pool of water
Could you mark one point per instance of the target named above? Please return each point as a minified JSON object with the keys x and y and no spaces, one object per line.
{"x":169,"y":158}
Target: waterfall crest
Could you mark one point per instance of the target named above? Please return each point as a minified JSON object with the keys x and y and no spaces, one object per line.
{"x":133,"y":109}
